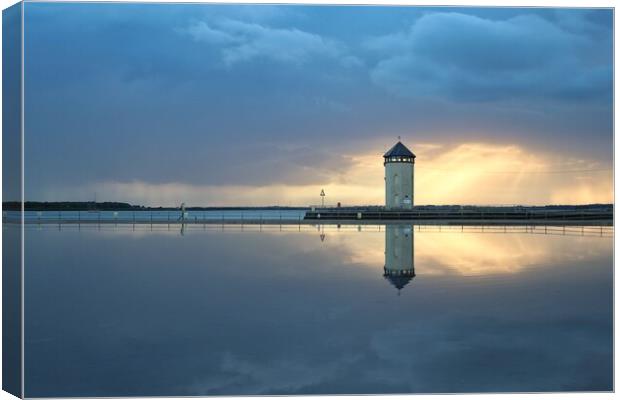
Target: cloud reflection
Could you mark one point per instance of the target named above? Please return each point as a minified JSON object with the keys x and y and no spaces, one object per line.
{"x":286,"y":313}
{"x":446,"y":251}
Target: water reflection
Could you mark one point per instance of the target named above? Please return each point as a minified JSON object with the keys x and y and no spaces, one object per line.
{"x":399,"y":267}
{"x":443,"y":250}
{"x":274,"y":310}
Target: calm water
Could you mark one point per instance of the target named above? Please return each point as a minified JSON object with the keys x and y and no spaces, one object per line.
{"x":125,"y":310}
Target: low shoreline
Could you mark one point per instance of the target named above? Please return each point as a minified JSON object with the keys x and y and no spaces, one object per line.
{"x":601,"y":215}
{"x":238,"y":221}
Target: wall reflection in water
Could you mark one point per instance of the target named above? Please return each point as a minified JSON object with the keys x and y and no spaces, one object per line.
{"x":399,"y":266}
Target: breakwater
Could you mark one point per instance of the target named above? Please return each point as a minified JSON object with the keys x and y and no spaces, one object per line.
{"x":599,"y":215}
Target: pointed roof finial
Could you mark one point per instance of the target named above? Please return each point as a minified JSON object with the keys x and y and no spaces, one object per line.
{"x":399,"y":138}
{"x":399,"y":149}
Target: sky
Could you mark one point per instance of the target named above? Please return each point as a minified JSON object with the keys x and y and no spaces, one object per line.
{"x":159,"y":104}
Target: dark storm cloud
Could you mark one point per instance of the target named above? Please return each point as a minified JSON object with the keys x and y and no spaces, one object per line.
{"x":203,"y":94}
{"x":468,"y":58}
{"x":244,"y":42}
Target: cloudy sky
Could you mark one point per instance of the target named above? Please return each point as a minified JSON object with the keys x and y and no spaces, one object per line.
{"x":259,"y":105}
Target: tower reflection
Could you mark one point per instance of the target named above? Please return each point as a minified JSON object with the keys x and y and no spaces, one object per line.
{"x":399,"y":263}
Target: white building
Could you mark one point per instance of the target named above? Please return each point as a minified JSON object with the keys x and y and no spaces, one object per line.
{"x":398,"y":163}
{"x":399,"y":262}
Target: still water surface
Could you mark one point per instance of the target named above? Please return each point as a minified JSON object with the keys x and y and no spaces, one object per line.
{"x":119,"y":311}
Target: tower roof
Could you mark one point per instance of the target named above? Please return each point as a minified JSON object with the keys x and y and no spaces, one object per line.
{"x":399,"y":278}
{"x":399,"y":149}
{"x":399,"y":282}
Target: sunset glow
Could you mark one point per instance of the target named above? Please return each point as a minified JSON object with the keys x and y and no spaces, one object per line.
{"x":269,"y":107}
{"x":469,"y":173}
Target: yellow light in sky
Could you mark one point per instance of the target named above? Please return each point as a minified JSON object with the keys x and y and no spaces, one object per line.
{"x":467,"y":173}
{"x":477,"y":173}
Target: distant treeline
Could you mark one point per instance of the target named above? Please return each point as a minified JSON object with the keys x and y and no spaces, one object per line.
{"x":67,"y":206}
{"x":115,"y":206}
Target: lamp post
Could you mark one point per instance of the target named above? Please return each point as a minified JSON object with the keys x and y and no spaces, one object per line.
{"x":322,"y":198}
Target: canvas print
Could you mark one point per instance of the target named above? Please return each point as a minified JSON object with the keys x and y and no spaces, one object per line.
{"x":293,"y":199}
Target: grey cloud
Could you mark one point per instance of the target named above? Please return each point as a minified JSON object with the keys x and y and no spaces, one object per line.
{"x":326,"y":104}
{"x":201,"y":31}
{"x":582,"y":22}
{"x":292,"y":164}
{"x":243,"y":42}
{"x":351,"y":62}
{"x":468,"y":58}
{"x":387,"y":44}
{"x":254,"y":165}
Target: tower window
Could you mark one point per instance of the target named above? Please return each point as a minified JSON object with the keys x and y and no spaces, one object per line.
{"x":400,"y":159}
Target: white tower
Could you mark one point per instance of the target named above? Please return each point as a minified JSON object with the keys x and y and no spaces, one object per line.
{"x":398,"y":162}
{"x":399,"y":263}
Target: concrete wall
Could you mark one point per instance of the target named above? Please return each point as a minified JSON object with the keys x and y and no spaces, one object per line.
{"x":398,"y":185}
